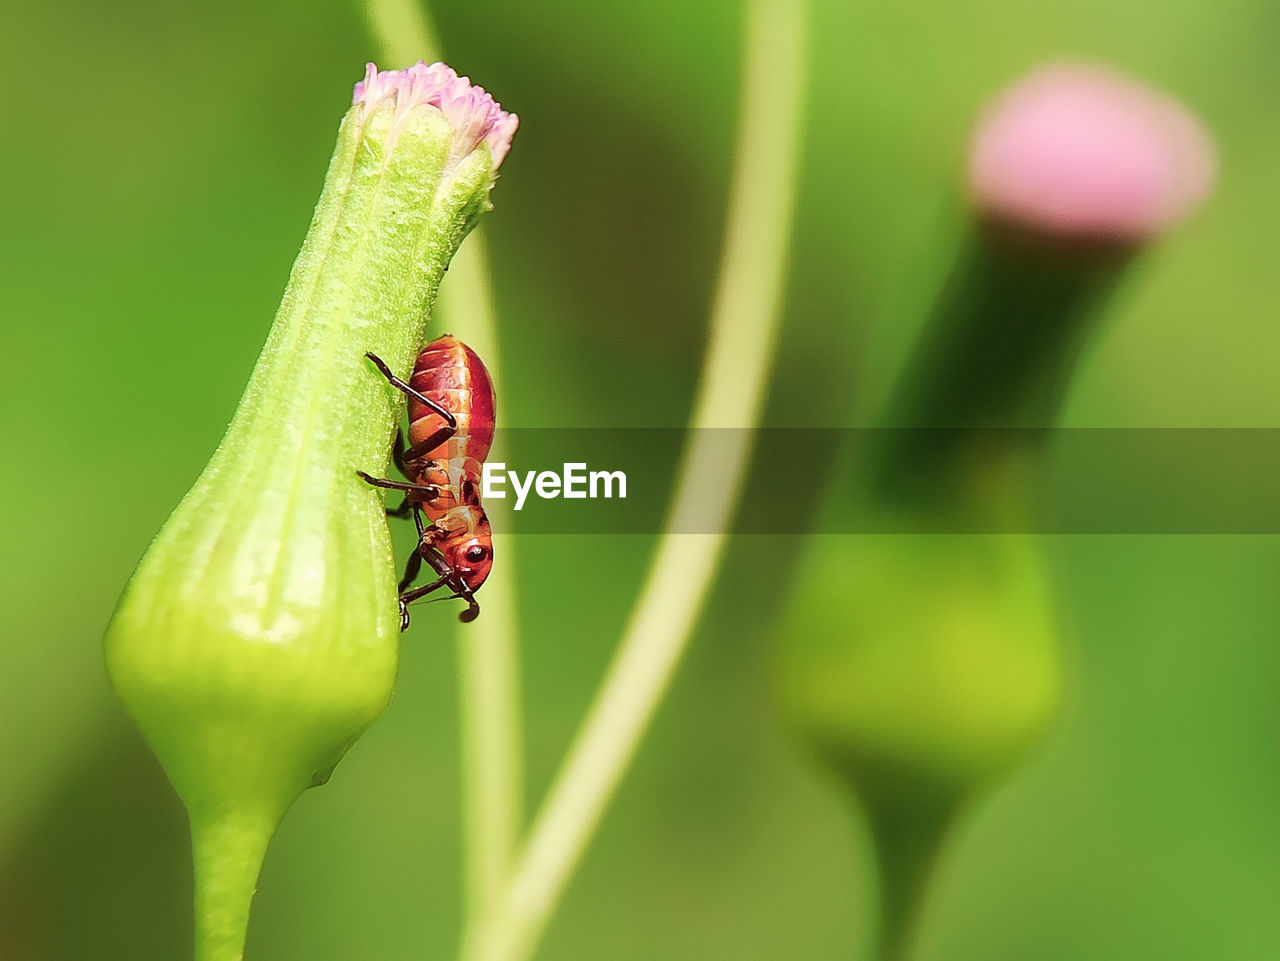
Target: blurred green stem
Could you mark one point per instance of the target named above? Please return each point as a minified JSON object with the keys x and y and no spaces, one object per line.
{"x":996,"y":356}
{"x":744,"y":328}
{"x":1002,"y":342}
{"x":909,"y":832}
{"x":488,"y":650}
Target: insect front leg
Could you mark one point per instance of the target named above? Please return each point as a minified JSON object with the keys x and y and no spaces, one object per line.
{"x":420,"y":592}
{"x":411,"y":570}
{"x":438,"y":564}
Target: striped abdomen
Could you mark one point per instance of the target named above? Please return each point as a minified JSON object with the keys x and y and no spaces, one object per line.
{"x":449,"y":373}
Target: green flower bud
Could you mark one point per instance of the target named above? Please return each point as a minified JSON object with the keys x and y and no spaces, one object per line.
{"x":920,"y":667}
{"x":259,"y":635}
{"x":930,"y":657}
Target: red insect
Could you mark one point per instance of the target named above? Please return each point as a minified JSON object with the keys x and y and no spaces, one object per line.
{"x":451,"y":414}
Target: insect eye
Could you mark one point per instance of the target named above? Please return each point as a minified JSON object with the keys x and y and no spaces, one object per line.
{"x":475,"y":554}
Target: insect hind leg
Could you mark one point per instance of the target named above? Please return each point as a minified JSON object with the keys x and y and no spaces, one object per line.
{"x":404,"y":388}
{"x":431,"y":443}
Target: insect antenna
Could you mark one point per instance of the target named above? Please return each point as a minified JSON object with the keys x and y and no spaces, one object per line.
{"x":432,"y":600}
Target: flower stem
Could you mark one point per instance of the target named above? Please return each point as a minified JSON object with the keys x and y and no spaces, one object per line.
{"x":488,"y":651}
{"x":744,"y":328}
{"x":228,"y":847}
{"x":909,"y":830}
{"x":985,"y":382}
{"x":402,"y":31}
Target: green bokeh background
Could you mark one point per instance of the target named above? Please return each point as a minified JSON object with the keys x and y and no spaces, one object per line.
{"x":159,"y":166}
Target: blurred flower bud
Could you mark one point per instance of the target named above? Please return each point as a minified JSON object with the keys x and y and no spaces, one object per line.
{"x":920,"y":662}
{"x":259,"y":635}
{"x":919,"y":667}
{"x":1079,"y":150}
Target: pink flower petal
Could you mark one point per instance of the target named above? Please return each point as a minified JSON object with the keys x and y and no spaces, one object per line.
{"x":474,"y":115}
{"x":1080,"y":151}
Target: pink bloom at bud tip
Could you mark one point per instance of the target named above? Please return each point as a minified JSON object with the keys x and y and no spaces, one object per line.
{"x":1080,"y":151}
{"x":474,"y":115}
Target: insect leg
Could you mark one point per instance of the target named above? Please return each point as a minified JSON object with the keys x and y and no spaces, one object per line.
{"x":438,"y":564}
{"x":428,"y":491}
{"x":448,"y":578}
{"x":397,"y":456}
{"x":401,"y":386}
{"x":411,"y":569}
{"x":397,"y":453}
{"x":409,"y":597}
{"x":431,"y":443}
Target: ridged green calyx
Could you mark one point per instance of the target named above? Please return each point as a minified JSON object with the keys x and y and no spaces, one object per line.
{"x":259,"y":635}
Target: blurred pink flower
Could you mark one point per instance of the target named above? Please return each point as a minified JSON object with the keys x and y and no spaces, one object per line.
{"x":1080,"y":151}
{"x":474,"y":115}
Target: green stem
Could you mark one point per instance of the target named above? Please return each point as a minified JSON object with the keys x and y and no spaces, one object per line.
{"x":402,"y":30}
{"x":488,"y":651}
{"x":493,"y":776}
{"x":744,"y":328}
{"x":1005,"y":335}
{"x":228,"y":849}
{"x":909,"y":832}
